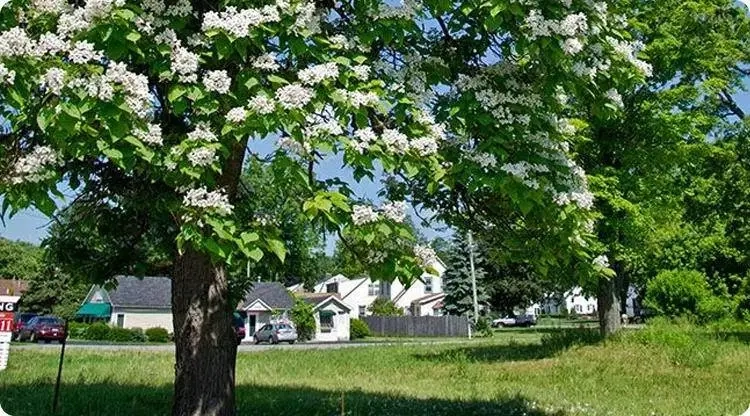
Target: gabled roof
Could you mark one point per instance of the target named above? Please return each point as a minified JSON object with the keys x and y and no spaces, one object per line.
{"x":428,"y":298}
{"x":146,"y":292}
{"x":273,"y":294}
{"x":319,"y":300}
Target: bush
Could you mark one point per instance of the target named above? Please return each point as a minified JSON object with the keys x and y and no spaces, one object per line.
{"x":98,"y":331}
{"x":157,"y":335}
{"x":137,"y":335}
{"x":303,"y":319}
{"x":684,"y":344}
{"x":385,"y":307}
{"x":358,"y":329}
{"x":677,"y":293}
{"x":742,"y":311}
{"x":77,"y":330}
{"x":713,"y":308}
{"x":483,"y":328}
{"x":117,"y":334}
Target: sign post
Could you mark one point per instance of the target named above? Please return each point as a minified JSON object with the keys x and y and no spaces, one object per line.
{"x":8,"y":306}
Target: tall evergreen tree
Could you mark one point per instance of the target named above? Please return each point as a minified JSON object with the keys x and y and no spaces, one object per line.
{"x":457,"y":278}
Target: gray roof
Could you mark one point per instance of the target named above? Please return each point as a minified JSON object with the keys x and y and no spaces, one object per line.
{"x":146,"y":292}
{"x":273,"y":294}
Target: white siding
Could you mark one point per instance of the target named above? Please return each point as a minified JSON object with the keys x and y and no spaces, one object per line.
{"x":143,"y":318}
{"x":341,"y":320}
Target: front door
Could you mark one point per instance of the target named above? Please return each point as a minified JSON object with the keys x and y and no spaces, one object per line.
{"x":251,"y":319}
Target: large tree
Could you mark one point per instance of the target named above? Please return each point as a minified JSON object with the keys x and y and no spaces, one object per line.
{"x":145,"y":111}
{"x":457,"y":279}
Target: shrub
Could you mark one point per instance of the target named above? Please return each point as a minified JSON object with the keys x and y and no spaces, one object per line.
{"x":483,"y":328}
{"x":77,"y":330}
{"x":98,"y":331}
{"x":137,"y":335}
{"x":358,"y":329}
{"x":677,"y":293}
{"x":742,"y":310}
{"x":684,"y":343}
{"x":385,"y":307}
{"x":713,"y":308}
{"x":303,"y":319}
{"x":117,"y":334}
{"x":157,"y":335}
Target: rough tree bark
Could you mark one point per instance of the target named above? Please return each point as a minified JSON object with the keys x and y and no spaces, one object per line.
{"x":608,"y":305}
{"x":205,"y":342}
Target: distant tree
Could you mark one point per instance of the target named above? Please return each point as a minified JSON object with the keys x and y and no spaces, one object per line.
{"x":19,"y":260}
{"x":457,"y":278}
{"x":512,"y":286}
{"x":385,"y":307}
{"x":53,"y":291}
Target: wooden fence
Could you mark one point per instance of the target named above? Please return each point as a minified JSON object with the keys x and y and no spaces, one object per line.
{"x":418,"y":326}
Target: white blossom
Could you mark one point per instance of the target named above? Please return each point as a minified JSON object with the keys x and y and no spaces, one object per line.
{"x":83,"y":52}
{"x":50,"y":44}
{"x":152,"y":135}
{"x":340,"y":42}
{"x":425,"y":255}
{"x":202,"y":156}
{"x":293,"y":96}
{"x":572,"y":46}
{"x":395,"y":141}
{"x":266,"y":62}
{"x":7,"y":76}
{"x":202,"y":133}
{"x":236,"y":22}
{"x":217,"y":81}
{"x":185,"y":64}
{"x":363,"y":139}
{"x":425,"y":145}
{"x":15,"y":42}
{"x":32,"y":168}
{"x":216,"y":201}
{"x":50,"y":6}
{"x":615,"y":97}
{"x":236,"y":115}
{"x":318,"y":73}
{"x":363,"y":214}
{"x":483,"y":159}
{"x":359,"y":99}
{"x":294,"y":146}
{"x":394,"y":210}
{"x":262,"y":104}
{"x":601,"y":261}
{"x":362,"y":72}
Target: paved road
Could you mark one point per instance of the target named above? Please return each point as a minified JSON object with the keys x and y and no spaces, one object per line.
{"x":244,"y":348}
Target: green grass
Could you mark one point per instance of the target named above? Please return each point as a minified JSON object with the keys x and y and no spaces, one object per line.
{"x":661,"y":370}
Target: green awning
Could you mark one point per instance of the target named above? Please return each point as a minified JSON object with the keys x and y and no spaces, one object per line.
{"x":327,"y":313}
{"x":94,"y":310}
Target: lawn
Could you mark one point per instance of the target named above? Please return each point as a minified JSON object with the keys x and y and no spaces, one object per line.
{"x":674,"y":371}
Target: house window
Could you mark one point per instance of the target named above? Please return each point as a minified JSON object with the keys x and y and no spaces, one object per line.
{"x":428,"y":284}
{"x":326,"y":321}
{"x":373,"y":289}
{"x":591,"y":308}
{"x":362,"y":310}
{"x":579,"y":308}
{"x":120,"y":320}
{"x":332,"y":288}
{"x":385,"y":290}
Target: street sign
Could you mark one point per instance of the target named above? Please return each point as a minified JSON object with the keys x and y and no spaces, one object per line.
{"x":8,"y":306}
{"x":6,"y":322}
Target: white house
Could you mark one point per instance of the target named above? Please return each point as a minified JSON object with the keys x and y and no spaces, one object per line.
{"x":332,"y":316}
{"x":265,"y":302}
{"x":571,"y":301}
{"x":134,"y":303}
{"x":421,"y":298}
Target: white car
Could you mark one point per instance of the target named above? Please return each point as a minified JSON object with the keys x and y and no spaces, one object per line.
{"x":275,"y":333}
{"x":512,"y":320}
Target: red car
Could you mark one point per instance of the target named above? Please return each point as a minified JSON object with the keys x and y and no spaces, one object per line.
{"x":22,"y":319}
{"x":239,"y":328}
{"x":44,"y":328}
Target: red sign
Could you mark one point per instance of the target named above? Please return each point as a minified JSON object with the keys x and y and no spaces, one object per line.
{"x":6,"y":321}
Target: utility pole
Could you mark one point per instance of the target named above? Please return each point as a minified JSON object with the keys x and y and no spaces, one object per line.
{"x":473,"y":277}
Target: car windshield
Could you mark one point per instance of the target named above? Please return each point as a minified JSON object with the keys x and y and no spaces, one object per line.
{"x":49,"y":321}
{"x":26,"y":317}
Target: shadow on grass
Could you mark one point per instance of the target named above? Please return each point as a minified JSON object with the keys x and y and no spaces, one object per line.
{"x":553,"y":343}
{"x":134,"y":400}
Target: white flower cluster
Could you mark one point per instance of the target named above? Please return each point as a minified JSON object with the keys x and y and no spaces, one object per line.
{"x":318,"y":126}
{"x":72,"y":21}
{"x":236,"y":115}
{"x":363,"y":139}
{"x":135,"y":86}
{"x":425,"y":255}
{"x":83,"y":52}
{"x":7,"y":76}
{"x":294,"y":96}
{"x":215,"y":201}
{"x":53,"y":80}
{"x":361,"y":72}
{"x":266,"y":62}
{"x":202,"y":133}
{"x":363,"y":214}
{"x":49,"y":6}
{"x":261,"y":104}
{"x":307,"y":19}
{"x":425,"y":145}
{"x":572,"y":46}
{"x":630,"y":51}
{"x":501,"y":103}
{"x":407,"y":10}
{"x":359,"y":99}
{"x":291,"y":145}
{"x":16,"y":43}
{"x":615,"y":97}
{"x":32,"y":168}
{"x":570,"y":26}
{"x":583,"y":199}
{"x":202,"y":156}
{"x":601,"y":261}
{"x":218,"y":81}
{"x":184,"y":64}
{"x":341,"y":42}
{"x":395,"y":141}
{"x":394,"y":210}
{"x":152,"y":136}
{"x":239,"y":23}
{"x":318,"y":73}
{"x":483,"y":159}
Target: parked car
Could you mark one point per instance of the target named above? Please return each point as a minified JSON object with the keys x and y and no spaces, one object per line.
{"x":20,"y":321}
{"x":43,"y":328}
{"x":239,"y":328}
{"x":513,"y":320}
{"x":275,"y":333}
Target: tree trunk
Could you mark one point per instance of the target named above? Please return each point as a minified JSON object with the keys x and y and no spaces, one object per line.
{"x":206,"y":347}
{"x":608,"y":307}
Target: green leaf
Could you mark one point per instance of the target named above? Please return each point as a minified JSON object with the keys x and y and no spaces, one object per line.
{"x":277,"y":79}
{"x":277,"y":247}
{"x":133,"y":36}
